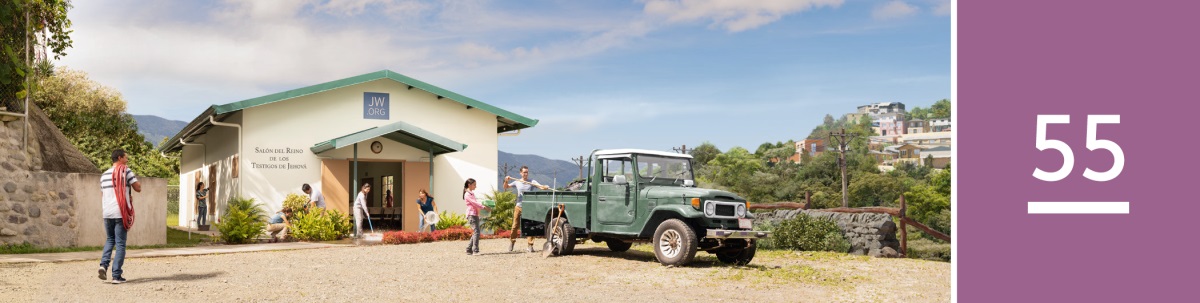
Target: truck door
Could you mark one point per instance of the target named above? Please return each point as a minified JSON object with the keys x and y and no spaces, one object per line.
{"x":615,"y":193}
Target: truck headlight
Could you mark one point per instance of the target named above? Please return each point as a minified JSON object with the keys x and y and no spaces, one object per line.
{"x":741,"y":211}
{"x":710,"y":209}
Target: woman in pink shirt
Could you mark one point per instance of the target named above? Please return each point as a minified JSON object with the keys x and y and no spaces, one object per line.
{"x":473,"y":207}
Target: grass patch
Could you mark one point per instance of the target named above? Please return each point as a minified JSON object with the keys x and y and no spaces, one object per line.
{"x":793,"y":273}
{"x":172,"y":219}
{"x":926,"y":249}
{"x":175,"y":239}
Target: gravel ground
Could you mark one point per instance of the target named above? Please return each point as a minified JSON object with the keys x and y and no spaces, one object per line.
{"x":442,"y":272}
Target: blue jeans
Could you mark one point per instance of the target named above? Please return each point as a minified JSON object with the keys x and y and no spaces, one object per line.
{"x":203,"y":218}
{"x":473,"y":245}
{"x":116,"y":238}
{"x":422,"y":226}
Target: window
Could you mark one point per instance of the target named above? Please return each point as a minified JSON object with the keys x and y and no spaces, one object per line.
{"x":387,"y":187}
{"x":613,"y":167}
{"x":654,"y":168}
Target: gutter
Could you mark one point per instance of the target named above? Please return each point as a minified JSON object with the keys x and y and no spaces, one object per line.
{"x":239,"y":149}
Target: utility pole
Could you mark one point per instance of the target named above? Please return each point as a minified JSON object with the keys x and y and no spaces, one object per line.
{"x":844,"y":138}
{"x":683,"y":149}
{"x":506,"y":168}
{"x":579,"y":161}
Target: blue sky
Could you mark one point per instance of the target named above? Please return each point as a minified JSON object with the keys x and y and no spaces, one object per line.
{"x":652,"y":74}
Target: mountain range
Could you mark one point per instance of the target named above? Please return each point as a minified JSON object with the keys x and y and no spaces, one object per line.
{"x":156,"y":128}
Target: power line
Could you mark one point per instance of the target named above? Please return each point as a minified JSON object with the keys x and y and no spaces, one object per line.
{"x":844,"y":139}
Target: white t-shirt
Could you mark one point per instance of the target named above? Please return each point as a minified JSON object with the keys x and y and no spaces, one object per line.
{"x":109,"y":197}
{"x":317,"y":196}
{"x":361,"y":201}
{"x":523,"y":187}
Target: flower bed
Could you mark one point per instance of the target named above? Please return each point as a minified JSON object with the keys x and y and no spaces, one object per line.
{"x":452,"y":234}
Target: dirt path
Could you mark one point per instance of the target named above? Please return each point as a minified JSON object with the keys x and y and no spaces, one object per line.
{"x":442,"y":272}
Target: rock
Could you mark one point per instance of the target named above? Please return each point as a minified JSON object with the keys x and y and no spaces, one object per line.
{"x":18,"y":208}
{"x":10,"y":187}
{"x":875,"y":253}
{"x":28,"y":188}
{"x":34,"y":211}
{"x":17,"y":219}
{"x":8,"y":167}
{"x":59,"y":220}
{"x":19,"y":157}
{"x":62,"y":196}
{"x":7,"y":232}
{"x":32,"y":231}
{"x":4,"y":207}
{"x":888,"y":252}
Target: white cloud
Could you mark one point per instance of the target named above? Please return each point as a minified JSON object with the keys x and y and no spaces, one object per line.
{"x":732,"y":15}
{"x":895,"y":9}
{"x":942,"y":8}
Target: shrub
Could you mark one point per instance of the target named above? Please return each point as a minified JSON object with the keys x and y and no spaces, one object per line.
{"x":242,"y":222}
{"x":406,"y":237}
{"x":447,"y":220}
{"x":768,"y":242}
{"x":295,"y":202}
{"x":319,"y":225}
{"x":928,"y":250}
{"x":453,"y":234}
{"x":502,"y":215}
{"x":809,"y":234}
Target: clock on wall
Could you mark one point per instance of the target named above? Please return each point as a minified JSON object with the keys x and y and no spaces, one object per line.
{"x":376,"y":147}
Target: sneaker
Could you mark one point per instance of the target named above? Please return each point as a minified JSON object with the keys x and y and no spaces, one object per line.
{"x":103,"y":273}
{"x":530,"y":248}
{"x":118,"y":280}
{"x":469,"y":253}
{"x":510,"y":245}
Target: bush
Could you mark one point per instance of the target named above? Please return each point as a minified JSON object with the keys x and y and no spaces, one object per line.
{"x":295,"y":202}
{"x":809,"y":234}
{"x":926,"y":249}
{"x":502,"y":215}
{"x":447,"y":220}
{"x":453,"y":234}
{"x":319,"y":225}
{"x":242,"y":222}
{"x":407,"y":237}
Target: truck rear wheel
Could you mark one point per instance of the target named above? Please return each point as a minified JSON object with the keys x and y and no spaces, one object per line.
{"x":675,"y":243}
{"x":737,"y":256}
{"x":618,"y":245}
{"x":562,"y":236}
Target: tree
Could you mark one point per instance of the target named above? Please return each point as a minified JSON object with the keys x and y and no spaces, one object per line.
{"x":918,"y":113}
{"x":874,"y":190}
{"x":704,"y":153}
{"x":93,"y":118}
{"x":40,"y":23}
{"x":926,"y":205}
{"x":828,"y":121}
{"x":734,"y":168}
{"x":940,"y":109}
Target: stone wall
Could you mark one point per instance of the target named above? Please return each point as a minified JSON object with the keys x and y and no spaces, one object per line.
{"x":55,"y":209}
{"x":869,"y":234}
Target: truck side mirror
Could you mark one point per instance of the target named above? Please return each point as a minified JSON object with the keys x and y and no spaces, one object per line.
{"x":620,"y":180}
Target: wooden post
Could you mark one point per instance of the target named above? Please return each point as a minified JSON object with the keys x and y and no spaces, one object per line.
{"x":807,"y":199}
{"x":903,"y":228}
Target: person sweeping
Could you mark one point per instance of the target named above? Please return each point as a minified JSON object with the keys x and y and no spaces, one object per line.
{"x":360,"y":208}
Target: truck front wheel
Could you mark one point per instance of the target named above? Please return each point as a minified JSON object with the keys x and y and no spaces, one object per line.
{"x":675,"y":243}
{"x":737,"y":256}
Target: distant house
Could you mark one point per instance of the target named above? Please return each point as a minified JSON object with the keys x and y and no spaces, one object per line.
{"x":916,"y":126}
{"x":940,"y":125}
{"x":890,"y":124}
{"x":883,"y":157}
{"x":881,"y":108}
{"x":932,"y":138}
{"x":812,"y":147}
{"x":940,"y":155}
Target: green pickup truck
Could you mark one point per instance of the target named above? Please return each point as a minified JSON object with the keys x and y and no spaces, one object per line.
{"x":633,"y":195}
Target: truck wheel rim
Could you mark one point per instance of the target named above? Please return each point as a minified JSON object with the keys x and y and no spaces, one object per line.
{"x":668,"y":244}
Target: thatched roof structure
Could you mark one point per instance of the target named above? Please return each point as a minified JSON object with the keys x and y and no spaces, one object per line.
{"x":58,"y":154}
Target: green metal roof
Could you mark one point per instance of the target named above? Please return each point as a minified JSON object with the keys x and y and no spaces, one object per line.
{"x":506,"y":120}
{"x":520,"y":121}
{"x":400,"y":132}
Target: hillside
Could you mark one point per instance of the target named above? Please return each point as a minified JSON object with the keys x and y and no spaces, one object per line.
{"x":541,"y":169}
{"x":155,"y":128}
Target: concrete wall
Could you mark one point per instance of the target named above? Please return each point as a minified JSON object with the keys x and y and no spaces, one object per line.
{"x":150,"y":209}
{"x":52,"y":209}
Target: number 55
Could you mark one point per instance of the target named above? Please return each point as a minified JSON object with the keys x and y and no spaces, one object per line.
{"x":1092,"y":144}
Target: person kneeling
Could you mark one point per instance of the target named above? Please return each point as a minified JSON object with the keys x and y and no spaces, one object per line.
{"x":279,"y":225}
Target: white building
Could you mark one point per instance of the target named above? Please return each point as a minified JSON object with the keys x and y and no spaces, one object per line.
{"x":382,"y":128}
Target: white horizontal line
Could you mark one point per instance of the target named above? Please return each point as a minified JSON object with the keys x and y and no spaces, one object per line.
{"x":1079,"y":207}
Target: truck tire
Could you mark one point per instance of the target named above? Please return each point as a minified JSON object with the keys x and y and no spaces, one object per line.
{"x":737,"y":256}
{"x":618,"y":245}
{"x":674,"y":243}
{"x":564,"y":234}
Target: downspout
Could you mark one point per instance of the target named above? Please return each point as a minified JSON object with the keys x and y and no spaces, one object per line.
{"x":239,"y":149}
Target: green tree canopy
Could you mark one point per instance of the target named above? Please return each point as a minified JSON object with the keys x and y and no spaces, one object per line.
{"x":41,"y":23}
{"x":940,"y":109}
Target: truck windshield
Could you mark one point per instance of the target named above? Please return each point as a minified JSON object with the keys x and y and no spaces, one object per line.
{"x":658,"y":169}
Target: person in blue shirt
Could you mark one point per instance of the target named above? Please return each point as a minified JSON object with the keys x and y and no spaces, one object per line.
{"x":425,"y":202}
{"x":279,"y":225}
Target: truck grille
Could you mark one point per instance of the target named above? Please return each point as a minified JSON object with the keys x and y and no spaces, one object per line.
{"x":725,"y":210}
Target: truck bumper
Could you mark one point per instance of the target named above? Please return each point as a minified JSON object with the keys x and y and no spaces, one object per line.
{"x":736,"y":234}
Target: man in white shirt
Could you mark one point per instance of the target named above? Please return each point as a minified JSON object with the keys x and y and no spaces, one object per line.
{"x":315,"y":198}
{"x":523,"y":185}
{"x":114,"y":227}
